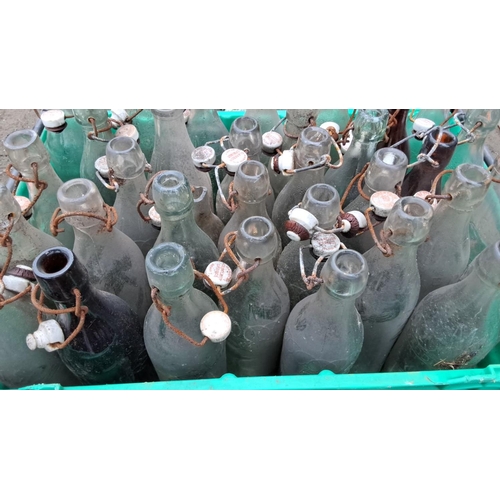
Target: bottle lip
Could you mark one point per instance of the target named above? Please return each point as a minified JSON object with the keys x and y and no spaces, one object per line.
{"x":472,"y":175}
{"x":156,"y":255}
{"x":178,"y":181}
{"x":20,"y":139}
{"x":53,"y":263}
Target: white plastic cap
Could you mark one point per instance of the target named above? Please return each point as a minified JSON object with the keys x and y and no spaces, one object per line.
{"x":220,"y":273}
{"x":155,"y":217}
{"x":203,"y":154}
{"x":286,"y":161}
{"x":233,"y":158}
{"x":345,"y":147}
{"x":271,"y":141}
{"x":23,"y":203}
{"x":382,"y":202}
{"x":325,"y":244}
{"x":15,"y":283}
{"x":101,"y":165}
{"x":53,"y":118}
{"x":303,"y":217}
{"x":327,"y":125}
{"x":48,"y":332}
{"x":128,"y":130}
{"x":421,"y":125}
{"x":216,"y":325}
{"x":119,"y":114}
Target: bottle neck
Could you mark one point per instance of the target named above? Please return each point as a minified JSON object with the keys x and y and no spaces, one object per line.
{"x":130,"y":189}
{"x":171,"y":130}
{"x":178,"y":227}
{"x":309,"y":177}
{"x":334,"y":303}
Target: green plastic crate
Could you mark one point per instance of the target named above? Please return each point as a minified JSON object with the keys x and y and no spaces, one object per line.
{"x":487,"y":376}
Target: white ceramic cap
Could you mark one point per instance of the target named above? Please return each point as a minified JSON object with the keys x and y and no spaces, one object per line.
{"x":382,"y":202}
{"x":422,"y":125}
{"x":325,"y":244}
{"x":271,"y":141}
{"x":345,"y":147}
{"x":303,"y":217}
{"x":48,"y":332}
{"x":423,"y":194}
{"x":216,"y":325}
{"x":119,"y":114}
{"x":220,"y":273}
{"x":53,"y":118}
{"x":23,"y":202}
{"x":203,"y":154}
{"x":101,"y":165}
{"x":15,"y":283}
{"x":327,"y":125}
{"x":286,"y":160}
{"x":359,"y":216}
{"x":155,"y":217}
{"x":233,"y":158}
{"x":128,"y":130}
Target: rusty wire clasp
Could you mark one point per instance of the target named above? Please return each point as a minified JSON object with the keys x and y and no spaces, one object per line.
{"x":113,"y":184}
{"x":384,"y":246}
{"x":78,"y":310}
{"x":109,"y":221}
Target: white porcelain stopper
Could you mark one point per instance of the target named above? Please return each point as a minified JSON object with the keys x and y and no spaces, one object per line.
{"x":271,"y":141}
{"x":216,"y":325}
{"x":220,"y":274}
{"x":203,"y":155}
{"x":53,"y":118}
{"x":382,"y":202}
{"x":48,"y":332}
{"x":233,"y":158}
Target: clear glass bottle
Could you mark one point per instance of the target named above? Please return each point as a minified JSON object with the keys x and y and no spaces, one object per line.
{"x":369,"y":128}
{"x":245,"y":135}
{"x":110,"y":348}
{"x":322,"y":201}
{"x":94,"y":149}
{"x":114,"y":262}
{"x":205,"y":125}
{"x":296,"y":121}
{"x":146,"y":127}
{"x":314,"y":142}
{"x":443,"y":258}
{"x":386,"y":170}
{"x":203,"y":215}
{"x":173,"y":148}
{"x":175,"y":358}
{"x":65,"y":147}
{"x":324,"y":331}
{"x":127,"y":161}
{"x":422,"y":175}
{"x":24,"y":148}
{"x":251,"y":182}
{"x":18,"y":366}
{"x":455,"y":326}
{"x":393,"y":285}
{"x":259,"y":306}
{"x":174,"y":203}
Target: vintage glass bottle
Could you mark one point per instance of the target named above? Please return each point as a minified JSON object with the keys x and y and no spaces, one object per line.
{"x":393,"y":285}
{"x":173,"y":148}
{"x":94,"y":149}
{"x":110,"y":348}
{"x":127,"y":161}
{"x":422,"y":175}
{"x":314,"y":142}
{"x":443,"y":258}
{"x":65,"y":147}
{"x":258,"y":308}
{"x":203,"y":215}
{"x":397,"y":132}
{"x":145,"y":125}
{"x":251,"y":182}
{"x":369,"y":129}
{"x":114,"y":262}
{"x":24,"y":148}
{"x":455,"y":326}
{"x":296,"y":121}
{"x":174,"y":203}
{"x":324,"y":331}
{"x":386,"y":170}
{"x":322,"y":201}
{"x":18,"y":366}
{"x":244,"y":135}
{"x":205,"y":125}
{"x":175,"y":358}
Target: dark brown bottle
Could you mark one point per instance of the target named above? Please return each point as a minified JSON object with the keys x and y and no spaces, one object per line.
{"x":397,"y":132}
{"x":110,"y":347}
{"x":421,"y":177}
